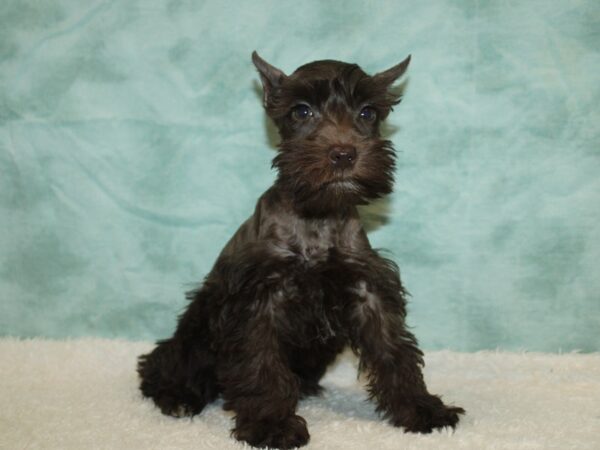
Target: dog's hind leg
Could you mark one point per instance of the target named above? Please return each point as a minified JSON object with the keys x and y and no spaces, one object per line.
{"x":179,"y":374}
{"x":310,"y":364}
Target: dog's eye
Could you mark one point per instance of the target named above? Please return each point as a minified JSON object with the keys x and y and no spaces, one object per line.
{"x":301,"y":112}
{"x":368,"y":113}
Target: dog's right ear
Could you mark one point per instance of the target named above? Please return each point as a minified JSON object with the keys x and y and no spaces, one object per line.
{"x":270,"y":76}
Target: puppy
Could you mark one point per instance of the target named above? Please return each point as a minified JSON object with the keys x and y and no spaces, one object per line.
{"x":299,"y":281}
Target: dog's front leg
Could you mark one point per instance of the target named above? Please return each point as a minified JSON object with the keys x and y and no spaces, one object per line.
{"x":389,"y":354}
{"x":258,"y":385}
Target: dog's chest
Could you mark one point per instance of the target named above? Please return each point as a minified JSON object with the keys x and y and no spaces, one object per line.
{"x":313,"y":240}
{"x":308,"y":241}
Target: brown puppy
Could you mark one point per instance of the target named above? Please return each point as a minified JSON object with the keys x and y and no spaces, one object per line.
{"x":299,"y":280}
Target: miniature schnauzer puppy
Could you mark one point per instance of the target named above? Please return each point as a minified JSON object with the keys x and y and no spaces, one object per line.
{"x":299,"y":280}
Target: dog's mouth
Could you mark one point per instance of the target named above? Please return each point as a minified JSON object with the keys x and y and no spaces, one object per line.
{"x":343,"y":185}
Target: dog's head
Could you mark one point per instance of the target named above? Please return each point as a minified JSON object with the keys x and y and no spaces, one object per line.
{"x":328,"y":114}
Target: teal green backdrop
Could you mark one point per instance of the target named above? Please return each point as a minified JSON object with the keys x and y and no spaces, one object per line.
{"x":133,"y":143}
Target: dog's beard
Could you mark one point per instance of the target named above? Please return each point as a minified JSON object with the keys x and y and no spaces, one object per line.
{"x":306,"y":172}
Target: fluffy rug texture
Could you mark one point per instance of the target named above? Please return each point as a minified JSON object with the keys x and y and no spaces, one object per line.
{"x":82,"y":394}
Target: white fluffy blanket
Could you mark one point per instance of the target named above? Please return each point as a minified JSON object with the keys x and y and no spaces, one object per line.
{"x":82,"y":394}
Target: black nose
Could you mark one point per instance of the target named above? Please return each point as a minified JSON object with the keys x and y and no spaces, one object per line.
{"x":342,"y":156}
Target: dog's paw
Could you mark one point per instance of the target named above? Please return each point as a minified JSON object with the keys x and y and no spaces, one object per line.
{"x":179,"y":411}
{"x":310,"y":390}
{"x":425,"y":413}
{"x":288,"y":433}
{"x":178,"y":406}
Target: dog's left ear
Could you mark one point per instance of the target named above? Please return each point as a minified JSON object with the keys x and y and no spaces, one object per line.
{"x":387,"y":77}
{"x":270,"y":76}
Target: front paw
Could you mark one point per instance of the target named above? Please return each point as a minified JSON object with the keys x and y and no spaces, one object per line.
{"x":288,"y":433}
{"x":425,"y":413}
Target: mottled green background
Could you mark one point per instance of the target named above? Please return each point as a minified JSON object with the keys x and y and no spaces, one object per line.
{"x":132,"y":145}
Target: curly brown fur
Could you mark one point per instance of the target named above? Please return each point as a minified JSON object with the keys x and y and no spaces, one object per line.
{"x":299,"y":280}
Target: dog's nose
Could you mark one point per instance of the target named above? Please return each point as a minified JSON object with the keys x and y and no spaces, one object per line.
{"x":343,"y":156}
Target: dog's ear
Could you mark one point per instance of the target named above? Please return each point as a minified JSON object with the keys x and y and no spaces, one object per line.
{"x":270,"y":76}
{"x":387,"y":77}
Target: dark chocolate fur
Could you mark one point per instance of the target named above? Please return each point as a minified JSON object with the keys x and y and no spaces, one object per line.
{"x":299,"y":280}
